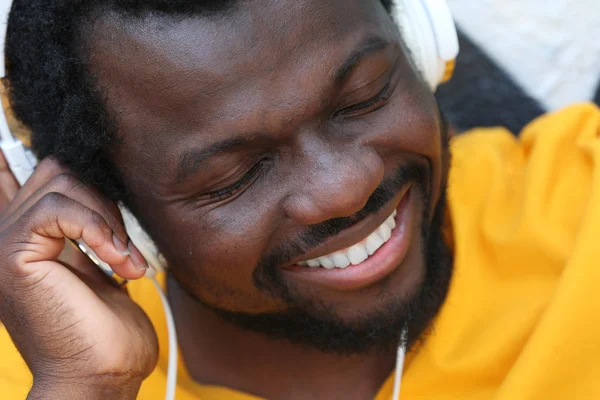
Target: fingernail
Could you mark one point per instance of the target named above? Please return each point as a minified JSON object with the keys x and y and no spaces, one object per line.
{"x":137,"y":258}
{"x":121,"y":247}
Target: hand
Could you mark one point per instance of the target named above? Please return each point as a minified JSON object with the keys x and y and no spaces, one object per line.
{"x":77,"y":331}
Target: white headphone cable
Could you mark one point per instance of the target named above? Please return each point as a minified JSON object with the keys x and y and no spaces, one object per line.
{"x":173,"y":350}
{"x":400,"y":357}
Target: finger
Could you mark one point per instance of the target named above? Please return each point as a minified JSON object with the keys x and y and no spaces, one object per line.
{"x":74,"y":188}
{"x":45,"y":171}
{"x":77,"y":262}
{"x":8,"y":184}
{"x":56,"y":217}
{"x":71,"y":186}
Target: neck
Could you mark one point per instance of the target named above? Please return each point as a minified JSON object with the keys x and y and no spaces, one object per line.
{"x":219,"y":353}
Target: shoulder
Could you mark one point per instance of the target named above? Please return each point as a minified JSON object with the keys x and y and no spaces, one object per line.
{"x":525,"y":215}
{"x":570,"y":126}
{"x":573,"y":131}
{"x":533,"y":190}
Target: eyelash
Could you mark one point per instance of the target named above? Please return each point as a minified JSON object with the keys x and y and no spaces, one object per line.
{"x":223,"y":194}
{"x":380,"y":97}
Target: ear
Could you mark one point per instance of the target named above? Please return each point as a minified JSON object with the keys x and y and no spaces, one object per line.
{"x":142,"y":240}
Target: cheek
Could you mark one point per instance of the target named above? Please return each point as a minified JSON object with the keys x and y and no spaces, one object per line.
{"x":412,"y":118}
{"x":426,"y":138}
{"x":409,"y":124}
{"x":213,"y":254}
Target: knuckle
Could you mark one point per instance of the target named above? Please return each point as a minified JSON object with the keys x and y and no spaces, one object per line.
{"x":14,"y":257}
{"x":51,"y":201}
{"x":50,"y":165}
{"x":66,"y":182}
{"x":98,"y":220}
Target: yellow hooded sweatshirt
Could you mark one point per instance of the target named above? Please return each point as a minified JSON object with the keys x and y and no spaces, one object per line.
{"x":522,"y":319}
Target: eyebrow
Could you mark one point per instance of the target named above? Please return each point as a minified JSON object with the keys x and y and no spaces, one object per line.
{"x":190,"y":161}
{"x":370,"y":46}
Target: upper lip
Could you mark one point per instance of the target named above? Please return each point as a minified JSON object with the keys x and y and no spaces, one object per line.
{"x":355,"y":233}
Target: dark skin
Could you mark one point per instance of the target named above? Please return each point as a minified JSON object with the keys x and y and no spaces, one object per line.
{"x":316,"y":98}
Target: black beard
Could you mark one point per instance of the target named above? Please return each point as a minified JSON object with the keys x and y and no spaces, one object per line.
{"x":310,"y":323}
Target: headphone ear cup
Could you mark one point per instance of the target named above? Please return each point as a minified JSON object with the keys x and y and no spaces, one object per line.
{"x":142,"y":241}
{"x":428,"y":30}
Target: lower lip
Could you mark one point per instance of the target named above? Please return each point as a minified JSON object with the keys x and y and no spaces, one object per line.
{"x":379,"y":265}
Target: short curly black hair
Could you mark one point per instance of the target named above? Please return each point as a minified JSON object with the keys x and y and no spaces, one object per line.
{"x":51,"y":91}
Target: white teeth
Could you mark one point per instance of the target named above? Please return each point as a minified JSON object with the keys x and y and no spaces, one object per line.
{"x":340,"y":260}
{"x":385,"y":232}
{"x":326,"y":262}
{"x":359,"y":252}
{"x":374,"y":241}
{"x":391,"y":222}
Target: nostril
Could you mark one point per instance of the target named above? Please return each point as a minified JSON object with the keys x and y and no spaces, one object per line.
{"x":312,"y":206}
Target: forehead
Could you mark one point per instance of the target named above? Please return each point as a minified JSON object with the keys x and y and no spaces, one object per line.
{"x":276,"y":26}
{"x":253,"y":37}
{"x":182,"y":75}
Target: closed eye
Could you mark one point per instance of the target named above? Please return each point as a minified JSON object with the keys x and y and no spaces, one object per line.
{"x":370,"y":105}
{"x":247,"y":180}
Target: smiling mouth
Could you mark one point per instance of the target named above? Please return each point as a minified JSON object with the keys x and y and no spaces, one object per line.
{"x":368,"y":261}
{"x":359,"y":252}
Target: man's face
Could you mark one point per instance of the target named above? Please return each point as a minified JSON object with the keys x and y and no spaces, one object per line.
{"x":277,"y":133}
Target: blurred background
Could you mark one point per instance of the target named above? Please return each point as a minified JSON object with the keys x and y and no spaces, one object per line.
{"x":520,"y":59}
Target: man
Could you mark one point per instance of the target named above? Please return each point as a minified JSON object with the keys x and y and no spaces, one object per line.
{"x":291,"y":164}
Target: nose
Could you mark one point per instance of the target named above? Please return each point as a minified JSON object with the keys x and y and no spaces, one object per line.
{"x":333,"y":183}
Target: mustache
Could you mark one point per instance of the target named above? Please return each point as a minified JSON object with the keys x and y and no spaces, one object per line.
{"x":315,"y":235}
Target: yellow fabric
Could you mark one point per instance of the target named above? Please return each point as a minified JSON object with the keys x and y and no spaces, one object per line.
{"x":522,"y":317}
